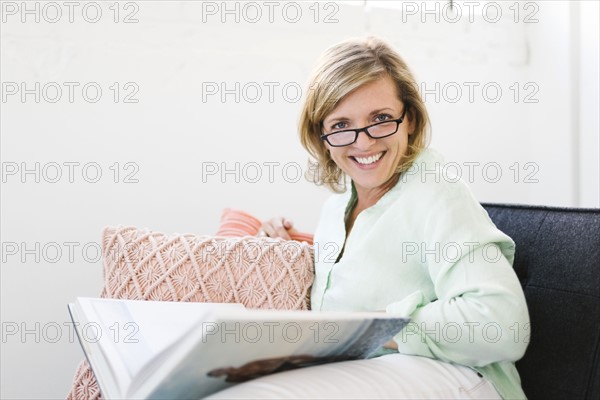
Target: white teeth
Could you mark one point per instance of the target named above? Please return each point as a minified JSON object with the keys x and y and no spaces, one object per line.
{"x":369,"y":160}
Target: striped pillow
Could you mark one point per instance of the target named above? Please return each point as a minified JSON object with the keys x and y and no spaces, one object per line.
{"x":237,"y":223}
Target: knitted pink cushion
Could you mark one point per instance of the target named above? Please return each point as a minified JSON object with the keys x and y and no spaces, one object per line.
{"x":235,"y":223}
{"x":146,"y":265}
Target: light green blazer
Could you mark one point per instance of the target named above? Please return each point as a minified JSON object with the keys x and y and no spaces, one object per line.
{"x":429,"y":251}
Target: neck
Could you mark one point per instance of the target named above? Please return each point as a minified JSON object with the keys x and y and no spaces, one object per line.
{"x":368,"y":197}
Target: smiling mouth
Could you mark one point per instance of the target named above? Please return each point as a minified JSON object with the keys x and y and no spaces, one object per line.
{"x":367,"y":161}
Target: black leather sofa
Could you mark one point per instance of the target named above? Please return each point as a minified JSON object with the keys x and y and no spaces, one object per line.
{"x":558,"y":263}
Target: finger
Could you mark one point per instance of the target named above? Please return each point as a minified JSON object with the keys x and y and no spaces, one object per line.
{"x":282,"y":233}
{"x":280,"y":229}
{"x":270,"y":229}
{"x":265,"y":230}
{"x":262,"y":233}
{"x":276,"y":227}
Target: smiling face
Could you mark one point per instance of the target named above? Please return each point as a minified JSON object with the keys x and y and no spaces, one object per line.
{"x":370,"y":163}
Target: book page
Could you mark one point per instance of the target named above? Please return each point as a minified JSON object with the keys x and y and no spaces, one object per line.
{"x":131,"y":334}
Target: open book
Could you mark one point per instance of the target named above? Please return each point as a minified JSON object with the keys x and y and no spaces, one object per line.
{"x":168,"y":350}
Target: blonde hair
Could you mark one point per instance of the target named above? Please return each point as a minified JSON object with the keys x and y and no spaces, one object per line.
{"x":341,"y":69}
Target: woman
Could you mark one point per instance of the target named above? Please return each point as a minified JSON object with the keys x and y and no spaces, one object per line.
{"x":407,"y":237}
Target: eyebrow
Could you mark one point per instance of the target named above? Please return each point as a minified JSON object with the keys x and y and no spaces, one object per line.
{"x":374,"y":112}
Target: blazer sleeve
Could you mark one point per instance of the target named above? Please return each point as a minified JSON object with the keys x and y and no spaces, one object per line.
{"x":479,"y":315}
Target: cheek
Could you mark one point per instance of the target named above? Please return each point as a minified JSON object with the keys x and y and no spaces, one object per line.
{"x":398,"y":148}
{"x":336,"y":155}
{"x":398,"y":143}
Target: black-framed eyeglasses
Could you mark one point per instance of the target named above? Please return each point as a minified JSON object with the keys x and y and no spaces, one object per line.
{"x":375,"y":131}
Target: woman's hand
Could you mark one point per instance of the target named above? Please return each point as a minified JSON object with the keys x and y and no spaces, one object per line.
{"x":278,"y":227}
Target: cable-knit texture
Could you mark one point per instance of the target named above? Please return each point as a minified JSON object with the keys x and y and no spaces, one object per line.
{"x":146,"y":265}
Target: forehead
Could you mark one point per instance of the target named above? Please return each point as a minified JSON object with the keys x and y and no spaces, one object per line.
{"x":379,"y":94}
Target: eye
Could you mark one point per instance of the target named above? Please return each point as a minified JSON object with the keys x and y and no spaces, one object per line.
{"x":382,"y":117}
{"x":339,"y":126}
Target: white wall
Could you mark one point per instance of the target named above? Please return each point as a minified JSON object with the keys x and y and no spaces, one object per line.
{"x":589,"y":81}
{"x":171,"y":134}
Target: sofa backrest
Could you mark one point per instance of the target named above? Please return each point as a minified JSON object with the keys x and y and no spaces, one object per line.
{"x":558,"y":263}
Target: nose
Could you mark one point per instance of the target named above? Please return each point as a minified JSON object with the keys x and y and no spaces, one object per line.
{"x":363,"y":141}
